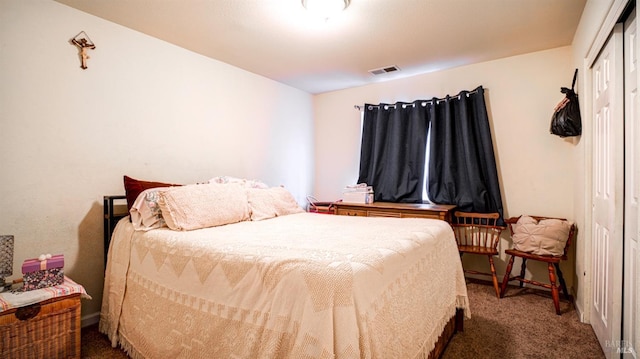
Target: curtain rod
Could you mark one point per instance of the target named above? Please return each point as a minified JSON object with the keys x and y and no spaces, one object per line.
{"x":424,"y":103}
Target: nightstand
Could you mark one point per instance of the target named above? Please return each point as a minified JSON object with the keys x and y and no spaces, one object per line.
{"x":31,"y":327}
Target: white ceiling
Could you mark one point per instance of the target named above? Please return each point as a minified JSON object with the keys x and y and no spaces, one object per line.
{"x":279,"y":40}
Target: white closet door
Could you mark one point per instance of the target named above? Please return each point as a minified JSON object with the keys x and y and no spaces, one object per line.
{"x":631,"y":307}
{"x":608,"y":167}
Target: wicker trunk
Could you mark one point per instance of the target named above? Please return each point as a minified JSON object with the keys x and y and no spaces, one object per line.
{"x":48,"y":330}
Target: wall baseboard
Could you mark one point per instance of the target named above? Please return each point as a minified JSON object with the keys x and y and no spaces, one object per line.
{"x":90,"y":319}
{"x":580,"y":311}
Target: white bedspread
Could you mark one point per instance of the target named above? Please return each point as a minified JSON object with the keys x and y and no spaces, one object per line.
{"x":298,"y":286}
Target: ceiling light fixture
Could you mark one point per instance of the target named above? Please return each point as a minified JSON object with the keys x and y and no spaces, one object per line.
{"x":325,"y":8}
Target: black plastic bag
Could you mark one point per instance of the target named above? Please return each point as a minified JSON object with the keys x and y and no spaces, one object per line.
{"x":566,"y":120}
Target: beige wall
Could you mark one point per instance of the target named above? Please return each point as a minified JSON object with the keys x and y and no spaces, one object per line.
{"x":143,"y":108}
{"x":535,"y":168}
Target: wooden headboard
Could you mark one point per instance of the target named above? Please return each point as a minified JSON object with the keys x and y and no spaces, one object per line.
{"x":114,"y":210}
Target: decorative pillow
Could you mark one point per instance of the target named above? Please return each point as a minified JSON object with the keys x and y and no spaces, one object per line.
{"x":546,"y":237}
{"x":271,"y":202}
{"x":203,"y":205}
{"x":133,"y":188}
{"x":241,"y":181}
{"x":145,"y":212}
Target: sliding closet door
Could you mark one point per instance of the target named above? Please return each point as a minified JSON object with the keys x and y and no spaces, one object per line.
{"x":631,"y":304}
{"x":607,"y":195}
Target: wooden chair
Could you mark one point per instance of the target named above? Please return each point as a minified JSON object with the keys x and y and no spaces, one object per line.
{"x":478,"y":233}
{"x":553,"y":265}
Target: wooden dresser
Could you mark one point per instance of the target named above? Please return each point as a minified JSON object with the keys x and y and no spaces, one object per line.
{"x":402,"y":210}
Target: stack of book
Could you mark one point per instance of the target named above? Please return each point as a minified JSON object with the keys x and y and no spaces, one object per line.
{"x":360,"y":193}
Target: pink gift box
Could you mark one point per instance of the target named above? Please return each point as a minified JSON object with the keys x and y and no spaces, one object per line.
{"x":43,"y":279}
{"x":32,"y":265}
{"x":39,"y":274}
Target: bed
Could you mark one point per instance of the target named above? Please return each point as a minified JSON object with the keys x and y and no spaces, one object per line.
{"x":280,"y":284}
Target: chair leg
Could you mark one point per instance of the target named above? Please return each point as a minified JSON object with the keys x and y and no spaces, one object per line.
{"x":523,"y":267}
{"x":505,"y":280}
{"x":495,"y":278}
{"x":563,"y":285}
{"x":554,"y":288}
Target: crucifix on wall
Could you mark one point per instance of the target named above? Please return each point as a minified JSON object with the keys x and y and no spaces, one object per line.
{"x":83,"y":42}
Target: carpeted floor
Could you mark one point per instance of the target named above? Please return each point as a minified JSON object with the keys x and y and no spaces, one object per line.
{"x":521,"y":325}
{"x":97,"y":346}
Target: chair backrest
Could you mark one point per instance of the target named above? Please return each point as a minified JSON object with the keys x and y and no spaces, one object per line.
{"x":513,"y":220}
{"x":477,"y":229}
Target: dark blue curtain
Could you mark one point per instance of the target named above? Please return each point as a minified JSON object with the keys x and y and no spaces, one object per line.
{"x":392,"y":155}
{"x":462,"y":166}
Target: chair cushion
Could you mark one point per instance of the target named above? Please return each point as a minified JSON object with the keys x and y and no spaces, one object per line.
{"x":544,"y":237}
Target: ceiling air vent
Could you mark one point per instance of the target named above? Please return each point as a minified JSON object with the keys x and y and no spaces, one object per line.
{"x":384,"y":70}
